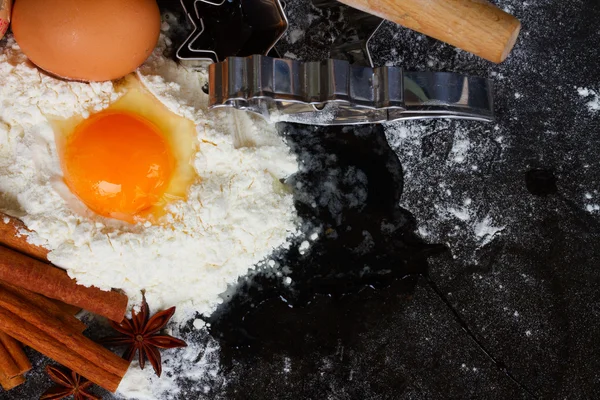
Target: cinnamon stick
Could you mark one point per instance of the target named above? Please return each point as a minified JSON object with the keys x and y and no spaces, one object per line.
{"x":15,"y":351}
{"x":67,"y":308}
{"x":57,"y":329}
{"x":38,"y":277}
{"x":44,"y":303}
{"x":10,"y":383}
{"x":61,"y":353}
{"x":13,"y":362}
{"x":10,"y":236}
{"x":8,"y":366}
{"x":46,"y":334}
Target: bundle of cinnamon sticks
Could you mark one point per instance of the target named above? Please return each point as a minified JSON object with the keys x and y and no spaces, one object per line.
{"x":37,"y":305}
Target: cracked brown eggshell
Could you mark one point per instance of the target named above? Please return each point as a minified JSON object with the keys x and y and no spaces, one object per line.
{"x":87,"y":40}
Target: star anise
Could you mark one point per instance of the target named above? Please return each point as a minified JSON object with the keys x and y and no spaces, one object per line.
{"x":69,"y":383}
{"x":141,"y":333}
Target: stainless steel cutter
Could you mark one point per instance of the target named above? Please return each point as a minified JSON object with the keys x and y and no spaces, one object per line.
{"x":225,"y":28}
{"x":330,"y":92}
{"x":334,"y":92}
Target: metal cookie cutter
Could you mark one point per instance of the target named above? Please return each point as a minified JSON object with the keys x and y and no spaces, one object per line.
{"x":224,"y":28}
{"x":334,"y":92}
{"x":331,"y":92}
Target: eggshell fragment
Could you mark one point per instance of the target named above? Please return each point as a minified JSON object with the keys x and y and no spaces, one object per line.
{"x":87,"y":40}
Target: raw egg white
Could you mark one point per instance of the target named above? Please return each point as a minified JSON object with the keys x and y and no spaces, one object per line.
{"x":129,"y":160}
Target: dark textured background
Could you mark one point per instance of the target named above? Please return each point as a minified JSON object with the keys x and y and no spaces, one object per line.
{"x":381,"y":320}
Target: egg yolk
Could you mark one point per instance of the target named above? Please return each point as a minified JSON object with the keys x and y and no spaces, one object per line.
{"x":118,"y":164}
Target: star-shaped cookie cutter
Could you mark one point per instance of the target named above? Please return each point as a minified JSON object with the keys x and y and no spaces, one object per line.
{"x":225,"y":28}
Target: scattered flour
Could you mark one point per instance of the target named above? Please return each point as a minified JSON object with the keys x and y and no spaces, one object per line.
{"x":236,"y":214}
{"x":592,"y":97}
{"x":485,"y":231}
{"x":197,"y":363}
{"x":440,"y":169}
{"x":304,"y":246}
{"x":295,"y":34}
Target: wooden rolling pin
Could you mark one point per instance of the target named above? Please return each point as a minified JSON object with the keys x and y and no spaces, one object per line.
{"x":476,"y":26}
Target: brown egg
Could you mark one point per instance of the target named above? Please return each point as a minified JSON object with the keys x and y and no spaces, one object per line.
{"x":88,"y":40}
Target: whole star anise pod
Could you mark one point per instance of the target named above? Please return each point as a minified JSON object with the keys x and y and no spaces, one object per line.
{"x":141,"y":333}
{"x":69,"y":383}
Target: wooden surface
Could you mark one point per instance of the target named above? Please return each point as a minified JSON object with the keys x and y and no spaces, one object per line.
{"x":475,"y":26}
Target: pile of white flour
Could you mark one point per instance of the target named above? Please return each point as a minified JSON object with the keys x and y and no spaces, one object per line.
{"x":236,"y":214}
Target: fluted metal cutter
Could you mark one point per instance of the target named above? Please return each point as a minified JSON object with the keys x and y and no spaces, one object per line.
{"x":329,"y":92}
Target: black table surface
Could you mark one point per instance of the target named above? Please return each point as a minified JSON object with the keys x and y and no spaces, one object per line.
{"x":379,"y":309}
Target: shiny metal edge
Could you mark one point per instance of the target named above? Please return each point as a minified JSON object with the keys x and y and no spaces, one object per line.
{"x":191,"y":57}
{"x":333,"y":92}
